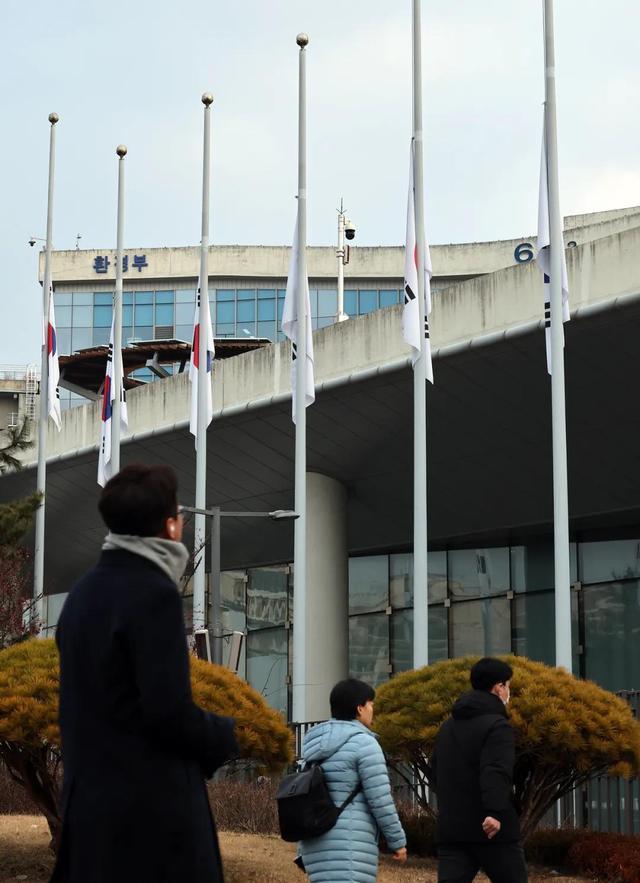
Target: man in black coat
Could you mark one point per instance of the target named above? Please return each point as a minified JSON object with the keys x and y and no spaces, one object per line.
{"x":136,"y":749}
{"x":472,"y":764}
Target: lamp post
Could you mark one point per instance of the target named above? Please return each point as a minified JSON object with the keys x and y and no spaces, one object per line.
{"x":214,"y":609}
{"x":345,"y":228}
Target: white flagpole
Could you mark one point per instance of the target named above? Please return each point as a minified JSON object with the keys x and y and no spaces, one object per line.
{"x":41,"y":480}
{"x":300,"y":531}
{"x":420,"y":566}
{"x":559,"y":427}
{"x":116,"y":364}
{"x":199,"y":541}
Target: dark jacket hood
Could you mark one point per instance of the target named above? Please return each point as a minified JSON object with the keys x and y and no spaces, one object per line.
{"x":476,"y":703}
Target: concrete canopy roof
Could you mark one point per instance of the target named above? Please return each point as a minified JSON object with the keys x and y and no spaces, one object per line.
{"x":489,"y":457}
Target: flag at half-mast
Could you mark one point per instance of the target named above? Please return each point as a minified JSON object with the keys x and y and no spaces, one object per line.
{"x":105,"y":470}
{"x":543,"y":257}
{"x":53,"y":369}
{"x":411,"y":331}
{"x":194,"y":367}
{"x":290,"y":327}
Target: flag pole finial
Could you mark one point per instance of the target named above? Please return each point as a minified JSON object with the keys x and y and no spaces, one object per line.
{"x":302,"y":40}
{"x":53,"y":118}
{"x":121,"y":150}
{"x":207,"y":99}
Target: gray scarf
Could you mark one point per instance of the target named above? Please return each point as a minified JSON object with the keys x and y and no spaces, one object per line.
{"x":170,"y":556}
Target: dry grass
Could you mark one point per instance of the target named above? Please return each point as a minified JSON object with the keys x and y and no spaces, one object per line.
{"x":24,"y":855}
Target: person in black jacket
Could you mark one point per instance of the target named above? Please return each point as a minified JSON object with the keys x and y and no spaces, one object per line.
{"x":472,"y":765}
{"x":135,"y":747}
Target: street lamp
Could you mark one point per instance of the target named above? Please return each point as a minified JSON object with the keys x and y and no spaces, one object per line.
{"x":347,"y":229}
{"x":216,"y":514}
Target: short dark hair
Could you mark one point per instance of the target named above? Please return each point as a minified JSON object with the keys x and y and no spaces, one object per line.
{"x":139,"y":499}
{"x":347,"y":695}
{"x":488,"y":672}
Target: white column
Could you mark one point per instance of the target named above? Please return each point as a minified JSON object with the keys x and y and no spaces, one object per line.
{"x":327,"y":645}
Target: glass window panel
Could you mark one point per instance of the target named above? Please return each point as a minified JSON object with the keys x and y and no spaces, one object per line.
{"x":127,"y":334}
{"x":313,"y":299}
{"x":143,"y":332}
{"x":609,"y":561}
{"x":82,"y":317}
{"x":83,"y":298}
{"x":267,"y":597}
{"x":612,"y":633}
{"x":478,"y":571}
{"x":267,"y":329}
{"x":325,"y":321}
{"x":127,"y":315}
{"x":280,"y":310}
{"x":266,"y":293}
{"x":127,"y":297}
{"x":63,"y":316}
{"x":184,"y":313}
{"x":63,"y":336}
{"x":101,"y":336}
{"x":225,"y":312}
{"x":266,"y":310}
{"x":388,"y":298}
{"x":144,"y":297}
{"x":351,"y":302}
{"x":532,"y":567}
{"x":102,"y":317}
{"x":144,"y":314}
{"x":225,"y":294}
{"x":81,"y":338}
{"x":401,"y":578}
{"x":62,"y":300}
{"x":233,"y":603}
{"x":369,"y":648}
{"x":186,"y":296}
{"x":314,"y":323}
{"x":165,"y":297}
{"x":184,"y":332}
{"x":282,"y":293}
{"x":328,"y":303}
{"x":103,"y":298}
{"x":534,"y":620}
{"x":246,"y":311}
{"x":164,"y":314}
{"x":280,"y":335}
{"x":401,"y":637}
{"x":482,"y":628}
{"x":368,"y":301}
{"x":226,"y":330}
{"x":368,"y":584}
{"x":267,"y":665}
{"x":246,"y":294}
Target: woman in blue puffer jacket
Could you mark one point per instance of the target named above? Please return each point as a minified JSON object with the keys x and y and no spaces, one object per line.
{"x":350,"y":756}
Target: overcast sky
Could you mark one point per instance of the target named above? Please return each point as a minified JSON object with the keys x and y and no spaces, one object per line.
{"x":132,"y":71}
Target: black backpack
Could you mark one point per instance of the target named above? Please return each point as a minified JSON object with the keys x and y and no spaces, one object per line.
{"x":305,"y":807}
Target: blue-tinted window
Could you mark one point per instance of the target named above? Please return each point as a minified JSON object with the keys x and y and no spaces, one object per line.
{"x":369,"y":648}
{"x":127,"y":334}
{"x":82,"y":317}
{"x":280,"y":310}
{"x":267,"y":329}
{"x":144,"y":314}
{"x":101,"y":317}
{"x":82,"y":298}
{"x":101,"y":336}
{"x":81,"y":338}
{"x":144,"y":332}
{"x":127,"y":297}
{"x":184,"y":332}
{"x":225,"y":294}
{"x":164,"y":314}
{"x":608,"y":561}
{"x":368,"y":301}
{"x":368,"y":584}
{"x":351,"y":302}
{"x":225,"y":312}
{"x":246,"y":293}
{"x":63,"y":337}
{"x":246,"y":329}
{"x":103,"y":298}
{"x":325,"y":321}
{"x":266,"y":310}
{"x":226,"y":330}
{"x":127,"y":315}
{"x":63,"y":316}
{"x":184,"y":313}
{"x":313,"y":300}
{"x":478,"y":572}
{"x":246,"y":311}
{"x":282,"y":293}
{"x":144,"y":297}
{"x":266,"y":293}
{"x":388,"y":298}
{"x":327,"y":303}
{"x":185,"y":295}
{"x":165,"y":297}
{"x":62,"y":300}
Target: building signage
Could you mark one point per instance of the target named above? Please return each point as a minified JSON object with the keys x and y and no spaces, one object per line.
{"x":101,"y":263}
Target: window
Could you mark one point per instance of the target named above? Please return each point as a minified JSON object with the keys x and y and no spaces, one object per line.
{"x":83,"y":299}
{"x":401,"y":578}
{"x":478,"y":572}
{"x":63,"y":316}
{"x":328,"y":304}
{"x":143,"y":297}
{"x":267,"y":597}
{"x":61,"y":299}
{"x":369,"y":648}
{"x":534,"y":623}
{"x":81,"y":338}
{"x":185,"y":313}
{"x":164,"y":314}
{"x":184,"y":332}
{"x":266,"y":310}
{"x":102,"y":317}
{"x":127,"y":315}
{"x":610,"y":561}
{"x":246,"y":294}
{"x":186,"y":296}
{"x":313,"y":301}
{"x":368,"y":301}
{"x":63,"y":336}
{"x":401,"y":637}
{"x":612,"y":632}
{"x":368,"y":584}
{"x":103,"y":298}
{"x":143,"y":315}
{"x":165,"y":297}
{"x":225,"y":312}
{"x":101,"y":336}
{"x":143,"y":332}
{"x":225,"y":294}
{"x":267,"y":665}
{"x":351,"y":302}
{"x":82,"y":316}
{"x":389,"y":298}
{"x":481,"y":628}
{"x":127,"y":298}
{"x":267,"y":330}
{"x":246,"y":311}
{"x":266,"y":293}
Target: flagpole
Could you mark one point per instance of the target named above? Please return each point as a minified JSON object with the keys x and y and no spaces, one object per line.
{"x":420,"y":565}
{"x":41,"y":479}
{"x":558,"y":407}
{"x":116,"y":364}
{"x":199,"y":540}
{"x":300,"y":530}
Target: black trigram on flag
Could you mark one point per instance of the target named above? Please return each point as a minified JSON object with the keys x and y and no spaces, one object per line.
{"x":294,"y":351}
{"x":426,"y":328}
{"x":408,"y":294}
{"x":547,"y":312}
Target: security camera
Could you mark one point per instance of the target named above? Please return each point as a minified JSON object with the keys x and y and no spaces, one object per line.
{"x":349,"y":229}
{"x":32,"y":242}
